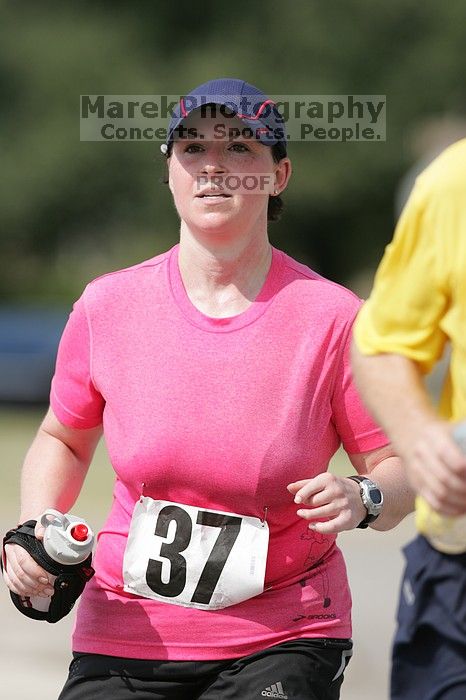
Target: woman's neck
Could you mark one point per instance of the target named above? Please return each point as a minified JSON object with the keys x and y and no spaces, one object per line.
{"x":223,"y":279}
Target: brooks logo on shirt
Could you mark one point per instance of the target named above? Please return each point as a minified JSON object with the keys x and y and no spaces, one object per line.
{"x":275,"y":691}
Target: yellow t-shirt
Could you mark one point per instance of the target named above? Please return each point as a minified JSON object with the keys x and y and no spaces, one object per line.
{"x":418,"y":302}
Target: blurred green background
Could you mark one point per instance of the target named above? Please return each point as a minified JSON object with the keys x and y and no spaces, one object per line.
{"x":70,"y":210}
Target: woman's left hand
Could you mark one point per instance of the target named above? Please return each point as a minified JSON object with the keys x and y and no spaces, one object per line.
{"x":331,"y":503}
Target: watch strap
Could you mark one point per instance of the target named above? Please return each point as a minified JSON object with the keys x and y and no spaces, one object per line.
{"x":357,"y":478}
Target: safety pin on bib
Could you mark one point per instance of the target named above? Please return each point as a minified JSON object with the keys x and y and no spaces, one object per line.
{"x":264,"y":519}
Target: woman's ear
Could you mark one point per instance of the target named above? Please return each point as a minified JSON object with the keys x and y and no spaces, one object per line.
{"x":283,"y":172}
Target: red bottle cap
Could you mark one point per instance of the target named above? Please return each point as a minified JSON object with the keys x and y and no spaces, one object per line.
{"x":79,"y":532}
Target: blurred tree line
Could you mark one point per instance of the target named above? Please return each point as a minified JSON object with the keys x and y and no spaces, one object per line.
{"x":71,"y":210}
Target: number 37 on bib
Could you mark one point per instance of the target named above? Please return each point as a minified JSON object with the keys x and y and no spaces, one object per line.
{"x":196,"y":557}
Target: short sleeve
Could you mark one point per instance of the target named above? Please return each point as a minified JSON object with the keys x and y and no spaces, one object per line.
{"x":410,"y":295}
{"x":357,"y":430}
{"x":74,"y":398}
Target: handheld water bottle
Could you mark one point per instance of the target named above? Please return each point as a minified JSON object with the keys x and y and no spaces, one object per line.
{"x":447,"y":534}
{"x":65,"y":553}
{"x":67,"y":540}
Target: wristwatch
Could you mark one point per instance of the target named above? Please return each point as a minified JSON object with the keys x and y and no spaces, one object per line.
{"x":372,"y":498}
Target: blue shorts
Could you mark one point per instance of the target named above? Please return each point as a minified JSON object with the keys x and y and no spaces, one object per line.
{"x":429,"y":650}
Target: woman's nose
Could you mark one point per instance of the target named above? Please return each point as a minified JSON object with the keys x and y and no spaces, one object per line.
{"x":213,"y":162}
{"x":213,"y":167}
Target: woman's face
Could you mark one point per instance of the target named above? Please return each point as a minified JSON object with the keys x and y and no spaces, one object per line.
{"x":220,"y":179}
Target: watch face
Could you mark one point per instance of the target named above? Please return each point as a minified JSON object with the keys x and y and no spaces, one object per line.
{"x":376,"y":496}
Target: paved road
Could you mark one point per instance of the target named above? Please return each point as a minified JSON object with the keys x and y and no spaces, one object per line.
{"x":34,"y":656}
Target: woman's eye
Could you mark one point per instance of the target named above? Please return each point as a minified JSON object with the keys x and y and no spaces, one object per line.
{"x":193,"y":148}
{"x":239,"y":148}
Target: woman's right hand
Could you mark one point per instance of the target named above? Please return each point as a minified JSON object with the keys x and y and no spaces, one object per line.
{"x":22,"y":574}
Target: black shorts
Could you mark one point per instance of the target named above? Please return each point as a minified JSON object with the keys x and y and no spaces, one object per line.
{"x":429,"y":650}
{"x":305,"y":669}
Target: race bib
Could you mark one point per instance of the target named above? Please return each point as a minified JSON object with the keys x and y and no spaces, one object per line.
{"x":196,"y":557}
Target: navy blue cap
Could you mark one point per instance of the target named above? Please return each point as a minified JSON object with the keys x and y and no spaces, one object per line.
{"x":248,"y":103}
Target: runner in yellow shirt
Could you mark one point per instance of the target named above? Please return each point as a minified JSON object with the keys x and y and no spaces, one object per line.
{"x":417,"y":305}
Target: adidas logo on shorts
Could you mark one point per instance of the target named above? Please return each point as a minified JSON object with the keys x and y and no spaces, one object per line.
{"x":275,"y":691}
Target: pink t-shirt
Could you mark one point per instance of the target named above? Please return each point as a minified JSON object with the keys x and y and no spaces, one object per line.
{"x":222,"y":414}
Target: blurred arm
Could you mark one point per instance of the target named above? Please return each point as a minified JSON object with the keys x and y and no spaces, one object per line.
{"x":392,"y":388}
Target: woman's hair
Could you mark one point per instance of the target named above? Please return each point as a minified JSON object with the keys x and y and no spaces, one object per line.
{"x":275,"y":205}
